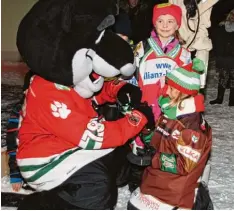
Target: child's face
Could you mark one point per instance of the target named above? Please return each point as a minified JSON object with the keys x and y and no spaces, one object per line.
{"x":172,"y":92}
{"x":166,"y":26}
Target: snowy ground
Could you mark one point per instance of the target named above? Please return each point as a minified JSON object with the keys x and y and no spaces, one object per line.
{"x":220,"y":117}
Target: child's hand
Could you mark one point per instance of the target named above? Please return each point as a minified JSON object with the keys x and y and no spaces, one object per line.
{"x":16,"y":186}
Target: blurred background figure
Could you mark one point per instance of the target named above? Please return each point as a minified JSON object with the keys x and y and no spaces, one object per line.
{"x":222,"y":35}
{"x":140,"y":14}
{"x":122,"y":26}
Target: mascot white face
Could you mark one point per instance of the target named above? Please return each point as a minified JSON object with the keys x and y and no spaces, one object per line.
{"x":68,"y":42}
{"x":86,"y":62}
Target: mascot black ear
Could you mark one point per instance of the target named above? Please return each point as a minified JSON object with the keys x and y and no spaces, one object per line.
{"x":108,"y":21}
{"x":67,"y":17}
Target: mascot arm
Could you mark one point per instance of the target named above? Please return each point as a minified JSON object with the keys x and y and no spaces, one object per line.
{"x":64,"y":114}
{"x":109,"y":92}
{"x":76,"y":128}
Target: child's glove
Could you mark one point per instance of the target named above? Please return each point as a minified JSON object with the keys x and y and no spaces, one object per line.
{"x":129,"y":95}
{"x":148,"y":113}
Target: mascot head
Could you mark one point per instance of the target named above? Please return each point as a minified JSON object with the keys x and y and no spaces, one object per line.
{"x":69,"y":42}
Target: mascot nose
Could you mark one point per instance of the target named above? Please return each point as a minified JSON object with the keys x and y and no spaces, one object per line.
{"x":128,"y":69}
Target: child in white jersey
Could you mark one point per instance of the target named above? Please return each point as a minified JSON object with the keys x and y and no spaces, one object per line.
{"x":156,"y":57}
{"x":161,"y":53}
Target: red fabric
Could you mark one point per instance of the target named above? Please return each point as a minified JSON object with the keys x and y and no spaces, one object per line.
{"x":167,"y":9}
{"x":42,"y":134}
{"x":199,"y":103}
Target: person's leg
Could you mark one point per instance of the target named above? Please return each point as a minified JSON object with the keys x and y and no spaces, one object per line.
{"x":94,"y":186}
{"x":223,"y":80}
{"x":203,"y":200}
{"x":231,"y":96}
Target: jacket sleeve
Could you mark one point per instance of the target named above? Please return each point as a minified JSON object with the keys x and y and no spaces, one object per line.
{"x":188,"y":150}
{"x":59,"y":116}
{"x":109,"y":91}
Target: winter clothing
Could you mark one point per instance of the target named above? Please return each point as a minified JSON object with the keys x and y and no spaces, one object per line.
{"x":186,"y":79}
{"x":182,"y":148}
{"x":224,"y":54}
{"x":46,"y":108}
{"x":96,"y":182}
{"x":140,"y":17}
{"x":174,"y":112}
{"x":123,"y":25}
{"x":167,"y":9}
{"x":201,"y":44}
{"x":154,"y":64}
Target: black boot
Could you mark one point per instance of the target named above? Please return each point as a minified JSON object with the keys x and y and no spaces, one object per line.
{"x":231,"y":97}
{"x":219,"y":99}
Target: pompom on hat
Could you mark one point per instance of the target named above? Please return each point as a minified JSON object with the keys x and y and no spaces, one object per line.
{"x":186,"y":79}
{"x":167,"y":9}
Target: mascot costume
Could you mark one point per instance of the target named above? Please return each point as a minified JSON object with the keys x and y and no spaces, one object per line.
{"x":69,"y":154}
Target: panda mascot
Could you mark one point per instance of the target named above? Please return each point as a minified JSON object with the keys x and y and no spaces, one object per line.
{"x":70,"y":155}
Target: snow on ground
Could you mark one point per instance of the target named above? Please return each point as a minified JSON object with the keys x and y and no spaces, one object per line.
{"x":220,"y":117}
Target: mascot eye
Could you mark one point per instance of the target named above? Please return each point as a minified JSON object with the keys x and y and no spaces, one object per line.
{"x":100,"y":37}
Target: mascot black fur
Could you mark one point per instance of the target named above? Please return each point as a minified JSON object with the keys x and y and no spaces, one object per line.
{"x":71,"y":157}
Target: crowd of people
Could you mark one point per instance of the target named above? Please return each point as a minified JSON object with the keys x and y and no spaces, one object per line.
{"x":165,"y":161}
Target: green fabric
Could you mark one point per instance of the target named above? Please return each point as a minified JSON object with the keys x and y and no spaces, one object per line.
{"x":167,"y":110}
{"x":198,"y":65}
{"x":181,"y":83}
{"x":168,"y":162}
{"x":147,"y":138}
{"x":49,"y":166}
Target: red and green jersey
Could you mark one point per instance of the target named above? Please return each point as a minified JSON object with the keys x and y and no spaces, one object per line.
{"x":58,"y":124}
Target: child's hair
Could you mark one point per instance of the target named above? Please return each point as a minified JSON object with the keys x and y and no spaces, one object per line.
{"x":178,"y":100}
{"x":178,"y":37}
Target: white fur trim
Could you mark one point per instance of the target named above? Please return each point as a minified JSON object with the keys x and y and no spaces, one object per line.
{"x":100,"y":37}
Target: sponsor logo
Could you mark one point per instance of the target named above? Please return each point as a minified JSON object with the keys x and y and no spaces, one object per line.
{"x":59,"y":110}
{"x":194,"y":139}
{"x":168,"y":162}
{"x":163,"y":66}
{"x":152,"y":205}
{"x":189,"y":153}
{"x":134,"y":118}
{"x":162,"y":131}
{"x":175,"y":134}
{"x":149,"y":75}
{"x":93,"y":136}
